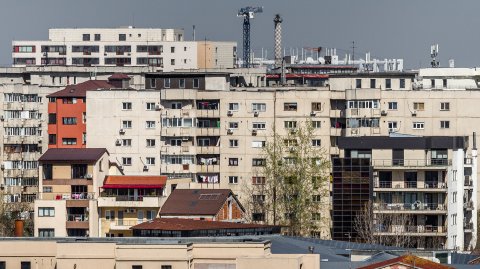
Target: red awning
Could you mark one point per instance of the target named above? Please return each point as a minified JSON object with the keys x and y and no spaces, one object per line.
{"x":134,"y":182}
{"x":132,"y":186}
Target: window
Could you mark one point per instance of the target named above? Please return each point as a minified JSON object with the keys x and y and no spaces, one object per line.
{"x":69,"y":141}
{"x":79,"y":170}
{"x":46,"y":212}
{"x":86,"y":37}
{"x":127,"y":161}
{"x":258,"y":180}
{"x":316,"y":106}
{"x":109,"y":214}
{"x":25,"y":265}
{"x":373,"y":83}
{"x":196,"y":83}
{"x":151,"y":214}
{"x":258,"y":144}
{"x":258,"y":216}
{"x":97,"y":37}
{"x":316,"y":143}
{"x":316,"y":198}
{"x":172,"y":62}
{"x":137,"y":267}
{"x":52,"y":118}
{"x":233,"y":179}
{"x":258,"y":162}
{"x":290,"y":124}
{"x":260,"y":107}
{"x":150,"y":106}
{"x":176,"y":142}
{"x":176,"y":105}
{"x":127,"y":124}
{"x":233,"y":125}
{"x":290,"y":106}
{"x":3,"y":265}
{"x":316,"y":216}
{"x":150,"y":124}
{"x":52,"y":139}
{"x":167,"y":266}
{"x":172,"y":49}
{"x":388,"y":83}
{"x":445,"y":106}
{"x":258,"y":125}
{"x":69,"y":100}
{"x":444,"y":83}
{"x":127,"y":142}
{"x":232,"y":161}
{"x":392,"y":105}
{"x":45,"y":233}
{"x":419,"y":106}
{"x":122,"y":37}
{"x":316,"y":124}
{"x":418,"y":125}
{"x":150,"y":143}
{"x":444,"y":124}
{"x":47,"y":189}
{"x":233,"y":106}
{"x":150,"y":160}
{"x":69,"y":121}
{"x":166,"y":83}
{"x":358,"y":83}
{"x":392,"y":126}
{"x":402,"y":83}
{"x":233,"y":143}
{"x":181,"y":83}
{"x":126,"y":106}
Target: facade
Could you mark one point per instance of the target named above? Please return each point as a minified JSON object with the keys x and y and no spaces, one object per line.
{"x":160,"y":49}
{"x":69,"y":188}
{"x":424,"y":187}
{"x":136,"y":253}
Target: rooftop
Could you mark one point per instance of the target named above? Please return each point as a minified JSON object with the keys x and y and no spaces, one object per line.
{"x":177,"y":224}
{"x":134,"y":182}
{"x":89,"y":155}
{"x":80,"y":90}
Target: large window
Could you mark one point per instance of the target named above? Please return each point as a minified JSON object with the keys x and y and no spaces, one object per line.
{"x":258,"y":125}
{"x":46,"y":212}
{"x":52,"y":118}
{"x":261,"y":107}
{"x":25,"y":265}
{"x":258,"y":162}
{"x":69,"y":141}
{"x":69,"y":121}
{"x":79,"y":170}
{"x":290,"y":106}
{"x":418,"y":125}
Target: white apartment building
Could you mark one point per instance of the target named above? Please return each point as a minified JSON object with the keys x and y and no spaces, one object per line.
{"x":160,"y":49}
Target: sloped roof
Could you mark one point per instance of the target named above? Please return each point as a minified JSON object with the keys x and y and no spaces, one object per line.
{"x":73,"y":155}
{"x":80,"y":89}
{"x":119,"y":76}
{"x":178,"y":224}
{"x":195,"y":201}
{"x":407,"y":260}
{"x":134,"y":182}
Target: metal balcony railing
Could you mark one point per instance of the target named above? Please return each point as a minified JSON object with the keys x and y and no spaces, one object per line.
{"x":401,"y":184}
{"x":77,"y":217}
{"x":67,"y":196}
{"x":410,"y":229}
{"x":409,"y":206}
{"x":411,"y":162}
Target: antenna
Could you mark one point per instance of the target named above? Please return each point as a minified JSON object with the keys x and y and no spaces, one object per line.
{"x":193,"y":32}
{"x":433,"y":54}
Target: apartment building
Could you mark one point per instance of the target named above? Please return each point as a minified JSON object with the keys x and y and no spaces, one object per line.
{"x":69,"y":188}
{"x":159,"y":49}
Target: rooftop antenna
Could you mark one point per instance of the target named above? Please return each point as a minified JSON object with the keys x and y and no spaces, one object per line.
{"x":433,"y":54}
{"x":247,"y":13}
{"x":193,"y":32}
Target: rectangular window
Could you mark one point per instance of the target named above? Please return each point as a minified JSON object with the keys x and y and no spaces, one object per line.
{"x":150,"y":143}
{"x":290,"y":106}
{"x":127,"y":161}
{"x":316,"y":143}
{"x":176,"y":105}
{"x":258,"y":144}
{"x":258,"y":162}
{"x":166,"y":83}
{"x":25,"y":265}
{"x":316,"y":216}
{"x":52,"y":118}
{"x":444,"y":124}
{"x":260,"y":107}
{"x":258,"y":125}
{"x":137,"y":267}
{"x":392,"y":126}
{"x":316,"y":106}
{"x":445,"y":106}
{"x":290,"y":124}
{"x":233,"y":179}
{"x":122,"y":37}
{"x":358,"y":83}
{"x":233,"y":125}
{"x":47,"y":189}
{"x":181,"y":83}
{"x":127,"y":142}
{"x":388,"y":83}
{"x":151,"y":214}
{"x":233,"y":106}
{"x":402,"y":83}
{"x":166,"y":266}
{"x":69,"y":141}
{"x":150,"y":124}
{"x":79,"y":170}
{"x":45,"y":233}
{"x":150,"y":106}
{"x":69,"y":121}
{"x":418,"y":125}
{"x":109,"y":214}
{"x":233,"y":143}
{"x":196,"y":83}
{"x":258,"y":180}
{"x":232,"y":161}
{"x":172,"y":62}
{"x":86,"y":37}
{"x":316,"y":124}
{"x":3,"y":265}
{"x":46,"y":212}
{"x":127,"y":124}
{"x":126,"y":106}
{"x":150,"y":161}
{"x":392,"y":105}
{"x":419,"y":106}
{"x":444,"y":83}
{"x":258,"y":216}
{"x":52,"y":139}
{"x":97,"y":37}
{"x":373,"y":83}
{"x":172,"y":49}
{"x":316,"y":198}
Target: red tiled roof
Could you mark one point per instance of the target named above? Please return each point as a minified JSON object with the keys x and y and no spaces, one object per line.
{"x":134,"y":182}
{"x":408,"y":260}
{"x":89,"y":155}
{"x":119,"y":76}
{"x":177,"y":224}
{"x":80,"y":90}
{"x":195,"y":202}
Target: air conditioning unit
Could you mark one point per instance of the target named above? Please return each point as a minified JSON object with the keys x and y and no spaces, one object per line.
{"x":2,"y":118}
{"x":121,"y":131}
{"x":230,"y":113}
{"x":254,"y":132}
{"x":88,"y":176}
{"x":313,"y":114}
{"x":392,"y":130}
{"x":414,"y":113}
{"x":2,"y":186}
{"x":383,"y":113}
{"x":256,"y":113}
{"x":229,"y":131}
{"x":145,"y":168}
{"x":120,"y":167}
{"x":118,"y":142}
{"x":2,"y":166}
{"x":158,"y":107}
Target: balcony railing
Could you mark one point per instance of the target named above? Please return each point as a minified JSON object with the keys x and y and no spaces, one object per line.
{"x":409,"y":206}
{"x":403,"y":184}
{"x":67,"y":196}
{"x":77,"y":217}
{"x":122,"y":198}
{"x":411,"y":162}
{"x":125,"y":222}
{"x":410,"y":229}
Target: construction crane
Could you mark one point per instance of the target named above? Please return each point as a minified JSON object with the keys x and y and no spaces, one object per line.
{"x":247,"y":13}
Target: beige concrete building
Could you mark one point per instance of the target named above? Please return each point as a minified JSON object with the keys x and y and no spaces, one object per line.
{"x":138,"y":253}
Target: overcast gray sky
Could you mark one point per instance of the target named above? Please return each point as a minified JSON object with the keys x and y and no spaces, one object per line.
{"x":386,"y":28}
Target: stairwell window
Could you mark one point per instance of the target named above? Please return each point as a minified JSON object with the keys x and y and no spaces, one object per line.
{"x":418,"y":125}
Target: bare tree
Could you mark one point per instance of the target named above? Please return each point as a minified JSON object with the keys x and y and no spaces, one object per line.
{"x":292,"y":186}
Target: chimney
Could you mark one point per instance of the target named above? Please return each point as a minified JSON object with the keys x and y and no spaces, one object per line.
{"x":119,"y":81}
{"x":18,"y":228}
{"x":278,"y":40}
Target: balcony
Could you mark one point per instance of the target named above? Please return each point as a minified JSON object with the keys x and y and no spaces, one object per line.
{"x":337,"y":131}
{"x":468,"y":205}
{"x":213,"y":131}
{"x":337,"y":113}
{"x":67,"y":196}
{"x":77,"y":217}
{"x":213,"y":168}
{"x":412,"y":230}
{"x":409,"y":163}
{"x":124,"y":224}
{"x":468,"y":227}
{"x":207,"y":113}
{"x":208,"y":150}
{"x":131,"y":202}
{"x":178,"y":131}
{"x":414,"y":208}
{"x":389,"y":186}
{"x":468,"y":183}
{"x":467,"y":162}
